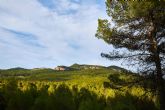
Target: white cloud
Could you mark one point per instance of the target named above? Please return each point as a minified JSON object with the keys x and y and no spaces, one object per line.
{"x":67,"y":38}
{"x":65,"y":5}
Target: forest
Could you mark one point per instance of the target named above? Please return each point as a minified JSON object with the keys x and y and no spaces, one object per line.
{"x":73,"y":90}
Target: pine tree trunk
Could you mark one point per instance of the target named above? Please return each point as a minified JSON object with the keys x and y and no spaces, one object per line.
{"x":159,"y":76}
{"x":161,"y":93}
{"x":160,"y":83}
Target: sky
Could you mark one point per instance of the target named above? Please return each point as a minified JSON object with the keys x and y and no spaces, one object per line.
{"x":48,"y":33}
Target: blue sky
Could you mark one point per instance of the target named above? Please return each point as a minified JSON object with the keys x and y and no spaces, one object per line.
{"x":47,"y":33}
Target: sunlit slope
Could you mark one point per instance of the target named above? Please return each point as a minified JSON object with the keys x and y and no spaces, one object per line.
{"x":99,"y":75}
{"x":83,"y":77}
{"x":92,"y":89}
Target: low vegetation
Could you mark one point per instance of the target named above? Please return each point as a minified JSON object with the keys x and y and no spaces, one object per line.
{"x":86,"y":89}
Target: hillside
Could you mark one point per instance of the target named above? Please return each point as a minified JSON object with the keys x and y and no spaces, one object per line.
{"x":81,"y":89}
{"x":47,"y":73}
{"x":85,"y":66}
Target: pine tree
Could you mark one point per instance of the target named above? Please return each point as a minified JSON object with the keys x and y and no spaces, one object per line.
{"x":138,"y":28}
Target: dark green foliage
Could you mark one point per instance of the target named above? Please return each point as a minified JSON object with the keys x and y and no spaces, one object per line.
{"x":89,"y":101}
{"x":2,"y":102}
{"x":136,"y":30}
{"x":14,"y":97}
{"x":129,"y":102}
{"x":63,"y":98}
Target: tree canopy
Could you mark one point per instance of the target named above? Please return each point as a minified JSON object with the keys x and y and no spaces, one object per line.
{"x":138,"y":27}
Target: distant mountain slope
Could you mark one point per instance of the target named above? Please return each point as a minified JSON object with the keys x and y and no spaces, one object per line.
{"x":75,"y":69}
{"x":17,"y":68}
{"x":14,"y":72}
{"x":84,"y":66}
